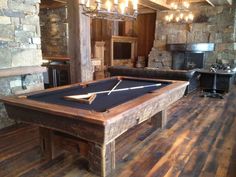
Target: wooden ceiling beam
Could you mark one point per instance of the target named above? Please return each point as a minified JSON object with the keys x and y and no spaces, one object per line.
{"x":61,"y":1}
{"x":230,"y":2}
{"x":191,"y":1}
{"x":51,"y":4}
{"x":219,"y":2}
{"x":211,"y":2}
{"x":155,"y":4}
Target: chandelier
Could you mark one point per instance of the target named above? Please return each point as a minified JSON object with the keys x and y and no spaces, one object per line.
{"x":179,"y":12}
{"x":116,"y":10}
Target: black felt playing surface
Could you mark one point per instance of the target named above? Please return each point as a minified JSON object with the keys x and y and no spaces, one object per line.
{"x":102,"y":102}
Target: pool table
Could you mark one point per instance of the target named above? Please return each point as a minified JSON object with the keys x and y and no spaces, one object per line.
{"x":94,"y":126}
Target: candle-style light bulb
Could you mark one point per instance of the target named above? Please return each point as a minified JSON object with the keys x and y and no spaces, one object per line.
{"x":177,"y":19}
{"x":98,"y":4}
{"x":173,"y":5}
{"x":176,"y":6}
{"x":82,"y":2}
{"x":122,"y":8}
{"x":115,"y":2}
{"x":88,"y":3}
{"x":108,"y":4}
{"x":186,"y":18}
{"x":191,"y":16}
{"x":186,"y":4}
{"x":135,"y":4}
{"x":126,"y":3}
{"x":167,"y":18}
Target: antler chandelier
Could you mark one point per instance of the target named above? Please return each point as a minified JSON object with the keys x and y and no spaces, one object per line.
{"x":180,"y":12}
{"x":117,"y":10}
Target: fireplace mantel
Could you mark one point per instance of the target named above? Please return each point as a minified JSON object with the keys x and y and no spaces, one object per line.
{"x":191,"y":47}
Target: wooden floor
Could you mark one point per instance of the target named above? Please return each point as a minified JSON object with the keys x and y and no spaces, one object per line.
{"x":200,"y":140}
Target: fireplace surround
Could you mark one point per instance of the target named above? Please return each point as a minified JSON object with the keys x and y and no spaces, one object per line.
{"x":189,"y":56}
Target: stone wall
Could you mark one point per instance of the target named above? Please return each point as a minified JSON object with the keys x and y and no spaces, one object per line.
{"x":54,"y":29}
{"x":211,"y":24}
{"x":20,"y":46}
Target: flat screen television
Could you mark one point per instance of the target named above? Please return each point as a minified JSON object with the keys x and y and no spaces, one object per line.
{"x":122,"y":50}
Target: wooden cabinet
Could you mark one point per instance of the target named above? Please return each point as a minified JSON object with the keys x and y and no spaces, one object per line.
{"x":98,"y":60}
{"x":123,"y":51}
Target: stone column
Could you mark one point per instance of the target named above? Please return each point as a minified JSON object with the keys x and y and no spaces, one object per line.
{"x":20,"y":47}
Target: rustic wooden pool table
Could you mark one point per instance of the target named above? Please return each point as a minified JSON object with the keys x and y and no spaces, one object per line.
{"x":97,"y":124}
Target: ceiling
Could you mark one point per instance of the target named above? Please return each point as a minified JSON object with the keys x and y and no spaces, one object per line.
{"x":165,"y":4}
{"x":144,"y":4}
{"x":52,"y":3}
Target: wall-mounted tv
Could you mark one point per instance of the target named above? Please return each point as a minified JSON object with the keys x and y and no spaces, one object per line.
{"x":122,"y":50}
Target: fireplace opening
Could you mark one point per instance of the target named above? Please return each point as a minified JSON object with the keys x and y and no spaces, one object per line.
{"x":187,"y":61}
{"x":189,"y":56}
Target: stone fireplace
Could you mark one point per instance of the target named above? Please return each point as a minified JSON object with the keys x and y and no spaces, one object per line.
{"x":189,"y":56}
{"x":218,"y":27}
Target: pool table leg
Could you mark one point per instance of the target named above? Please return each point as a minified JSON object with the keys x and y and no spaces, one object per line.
{"x":102,"y":158}
{"x":159,"y":120}
{"x":46,"y":143}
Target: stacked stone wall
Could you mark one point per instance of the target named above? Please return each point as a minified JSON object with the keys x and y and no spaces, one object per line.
{"x":54,"y":29}
{"x":211,"y":25}
{"x":20,"y":45}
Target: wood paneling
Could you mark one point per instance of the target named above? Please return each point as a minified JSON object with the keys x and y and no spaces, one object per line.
{"x":97,"y":30}
{"x":102,"y":30}
{"x":143,"y":28}
{"x":146,"y":32}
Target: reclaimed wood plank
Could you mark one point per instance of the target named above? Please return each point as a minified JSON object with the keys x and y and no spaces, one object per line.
{"x":199,"y":141}
{"x":24,"y":70}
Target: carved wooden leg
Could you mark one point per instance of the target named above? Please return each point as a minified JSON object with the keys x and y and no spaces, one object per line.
{"x":46,"y":143}
{"x":159,"y":120}
{"x":102,"y":158}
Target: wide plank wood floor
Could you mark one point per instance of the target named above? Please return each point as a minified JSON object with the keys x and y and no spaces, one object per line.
{"x":200,"y":140}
